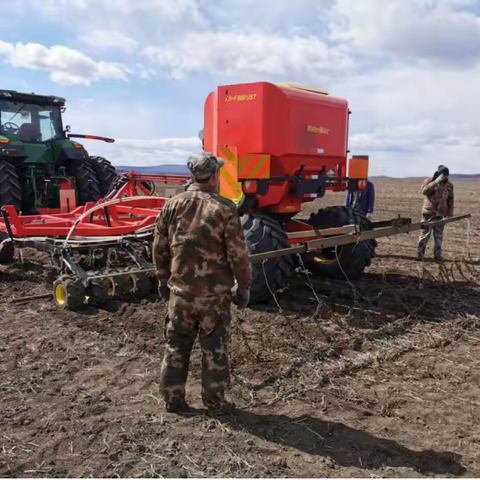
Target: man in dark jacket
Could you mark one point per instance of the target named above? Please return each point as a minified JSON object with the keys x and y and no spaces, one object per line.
{"x":362,"y":200}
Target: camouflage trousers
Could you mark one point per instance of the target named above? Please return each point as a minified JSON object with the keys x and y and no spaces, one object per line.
{"x":210,"y":318}
{"x":425,"y":235}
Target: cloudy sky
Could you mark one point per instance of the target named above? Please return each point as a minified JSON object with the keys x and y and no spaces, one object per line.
{"x":140,"y":70}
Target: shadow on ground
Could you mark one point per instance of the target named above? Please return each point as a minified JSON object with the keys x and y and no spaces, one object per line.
{"x":345,"y":445}
{"x":388,"y":296}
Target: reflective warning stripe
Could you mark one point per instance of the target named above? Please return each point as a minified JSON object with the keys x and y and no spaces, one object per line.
{"x":312,"y":177}
{"x":358,"y":167}
{"x":229,"y":185}
{"x":254,"y":165}
{"x":311,"y":195}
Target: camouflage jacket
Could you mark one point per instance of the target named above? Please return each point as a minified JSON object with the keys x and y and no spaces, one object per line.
{"x":199,"y":245}
{"x":438,"y":198}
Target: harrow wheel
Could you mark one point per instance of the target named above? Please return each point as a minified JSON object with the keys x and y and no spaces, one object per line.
{"x":68,"y":293}
{"x":118,"y":286}
{"x":142,"y":284}
{"x":97,"y":292}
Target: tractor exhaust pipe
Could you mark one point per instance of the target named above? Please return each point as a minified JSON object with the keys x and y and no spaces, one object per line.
{"x":91,"y":137}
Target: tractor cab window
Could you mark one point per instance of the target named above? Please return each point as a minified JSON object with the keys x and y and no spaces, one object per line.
{"x":29,"y":122}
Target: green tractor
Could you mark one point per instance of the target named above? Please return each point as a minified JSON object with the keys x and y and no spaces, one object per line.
{"x":38,"y":157}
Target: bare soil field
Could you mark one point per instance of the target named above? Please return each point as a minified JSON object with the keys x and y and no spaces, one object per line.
{"x":374,"y":378}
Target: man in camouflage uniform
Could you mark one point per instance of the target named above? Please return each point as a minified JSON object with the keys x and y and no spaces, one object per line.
{"x":199,"y":250}
{"x":438,"y":203}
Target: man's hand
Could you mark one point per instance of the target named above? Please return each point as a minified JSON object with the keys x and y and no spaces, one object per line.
{"x":163,"y":293}
{"x":439,"y":179}
{"x":369,"y":215}
{"x":240,"y":297}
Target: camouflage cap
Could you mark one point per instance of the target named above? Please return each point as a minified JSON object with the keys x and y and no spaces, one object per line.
{"x":203,"y":166}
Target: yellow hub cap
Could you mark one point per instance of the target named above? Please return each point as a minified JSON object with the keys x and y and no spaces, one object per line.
{"x":325,"y":261}
{"x":110,"y":287}
{"x":61,"y":294}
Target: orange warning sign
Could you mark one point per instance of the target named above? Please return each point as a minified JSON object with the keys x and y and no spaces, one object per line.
{"x":358,"y":166}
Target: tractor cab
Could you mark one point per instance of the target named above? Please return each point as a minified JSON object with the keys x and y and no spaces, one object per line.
{"x":38,"y":157}
{"x":31,"y":118}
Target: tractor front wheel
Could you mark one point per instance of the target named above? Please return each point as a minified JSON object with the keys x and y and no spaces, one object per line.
{"x":105,"y":172}
{"x":264,"y":234}
{"x":345,"y":261}
{"x":88,"y":187}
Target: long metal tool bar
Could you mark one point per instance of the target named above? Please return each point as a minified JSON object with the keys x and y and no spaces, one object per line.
{"x":339,"y":240}
{"x":354,"y":236}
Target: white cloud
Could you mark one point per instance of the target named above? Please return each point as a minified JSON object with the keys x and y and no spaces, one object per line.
{"x":440,"y":30}
{"x":155,"y":152}
{"x":173,"y":9}
{"x":140,"y":131}
{"x":252,"y":53}
{"x":411,"y":118}
{"x":140,"y":152}
{"x":66,"y":66}
{"x":109,"y":39}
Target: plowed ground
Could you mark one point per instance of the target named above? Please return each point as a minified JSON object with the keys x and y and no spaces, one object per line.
{"x":379,"y":377}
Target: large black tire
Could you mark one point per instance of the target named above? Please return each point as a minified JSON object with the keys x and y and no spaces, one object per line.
{"x":7,"y":249}
{"x":10,"y":194}
{"x":246,"y":203}
{"x":106,"y":173}
{"x":88,"y":188}
{"x":10,"y":188}
{"x":264,"y":234}
{"x":348,"y":260}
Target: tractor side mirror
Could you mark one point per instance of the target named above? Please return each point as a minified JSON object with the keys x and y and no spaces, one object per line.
{"x":68,"y":128}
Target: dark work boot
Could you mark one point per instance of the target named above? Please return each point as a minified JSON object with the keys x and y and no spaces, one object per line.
{"x":176,"y":405}
{"x":222,"y":409}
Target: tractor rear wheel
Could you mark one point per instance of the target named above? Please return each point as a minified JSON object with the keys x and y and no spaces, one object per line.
{"x":264,"y":234}
{"x":88,"y":188}
{"x":105,"y":172}
{"x":10,"y":188}
{"x":343,"y":261}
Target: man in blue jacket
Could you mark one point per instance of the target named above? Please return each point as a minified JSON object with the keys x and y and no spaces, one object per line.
{"x":362,"y":200}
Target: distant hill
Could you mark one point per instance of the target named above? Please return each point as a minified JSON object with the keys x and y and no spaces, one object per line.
{"x":458,"y":176}
{"x":158,"y":169}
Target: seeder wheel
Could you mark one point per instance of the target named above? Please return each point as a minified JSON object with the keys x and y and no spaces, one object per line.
{"x":68,"y":292}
